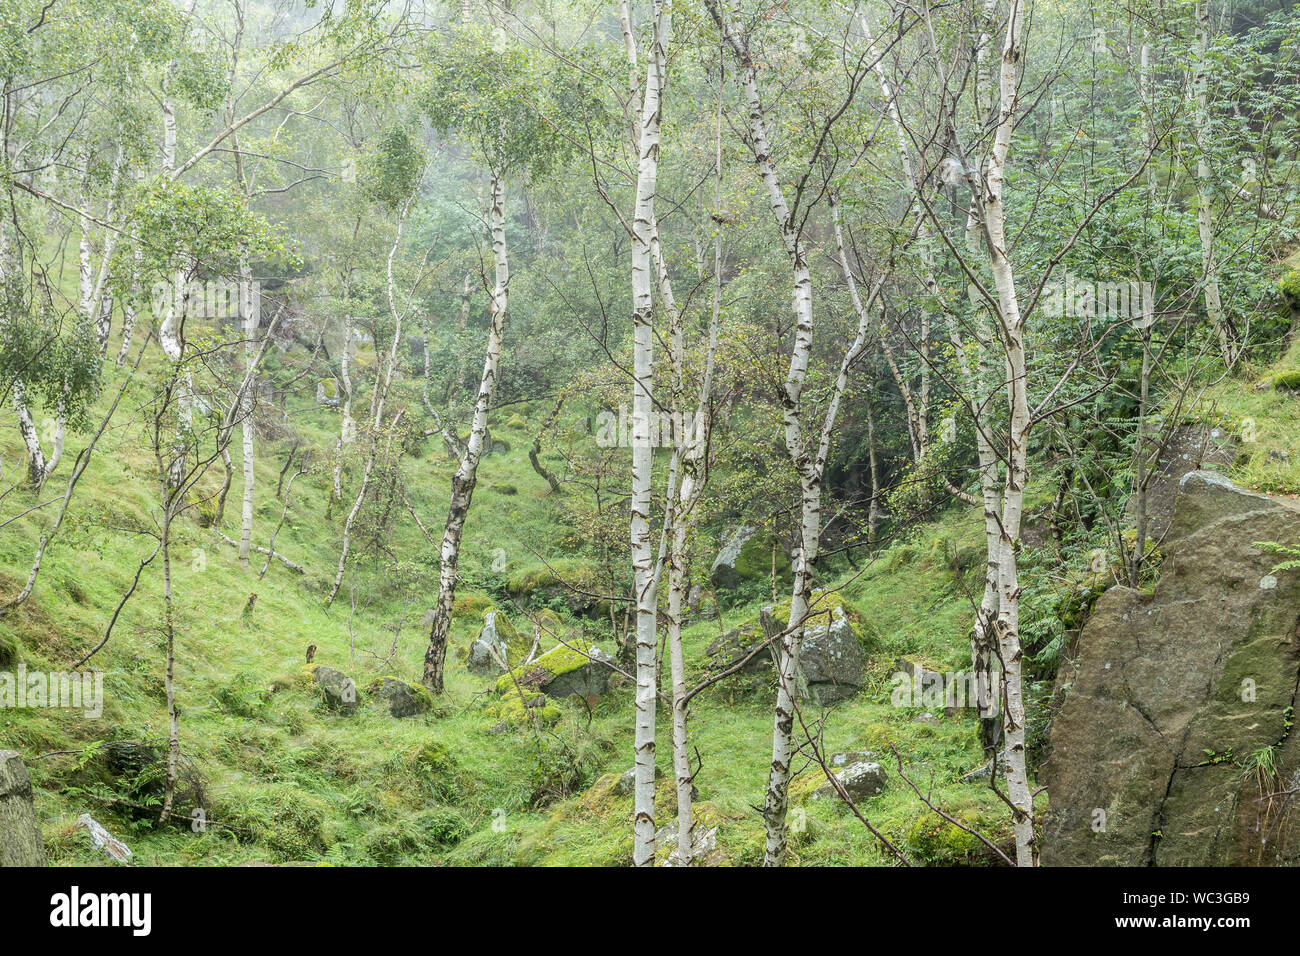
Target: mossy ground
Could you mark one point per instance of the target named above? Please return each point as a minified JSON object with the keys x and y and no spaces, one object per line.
{"x":283,"y":779}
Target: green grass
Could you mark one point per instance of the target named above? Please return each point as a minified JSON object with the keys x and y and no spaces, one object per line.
{"x":284,"y":779}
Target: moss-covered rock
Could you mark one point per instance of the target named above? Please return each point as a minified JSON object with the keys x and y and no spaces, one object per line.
{"x":570,"y":669}
{"x":401,"y":698}
{"x":1287,"y":381}
{"x":746,"y":555}
{"x":498,"y":646}
{"x":471,"y":604}
{"x":833,"y":653}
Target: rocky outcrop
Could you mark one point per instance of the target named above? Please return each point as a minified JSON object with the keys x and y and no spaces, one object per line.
{"x":20,"y":834}
{"x":746,"y":555}
{"x":724,"y":573}
{"x":1174,"y":744}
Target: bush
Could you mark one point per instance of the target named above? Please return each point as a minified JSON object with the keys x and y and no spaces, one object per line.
{"x":1287,"y":380}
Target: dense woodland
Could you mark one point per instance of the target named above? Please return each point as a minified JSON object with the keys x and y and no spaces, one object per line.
{"x":456,"y":432}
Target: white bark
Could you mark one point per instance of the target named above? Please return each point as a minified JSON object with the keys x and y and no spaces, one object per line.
{"x":466,"y":476}
{"x":1011,"y":322}
{"x":347,"y":425}
{"x":250,"y":309}
{"x":643,"y":554}
{"x":383,"y":382}
{"x":809,"y":460}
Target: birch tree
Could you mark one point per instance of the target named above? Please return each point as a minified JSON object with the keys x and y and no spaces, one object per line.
{"x":807,"y":441}
{"x":483,"y":88}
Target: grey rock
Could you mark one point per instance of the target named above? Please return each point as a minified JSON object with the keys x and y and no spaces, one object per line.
{"x":925,"y":718}
{"x":729,"y":649}
{"x":704,"y":846}
{"x":723,"y":572}
{"x":589,"y":680}
{"x":861,"y":779}
{"x":1190,"y":448}
{"x":1168,"y":692}
{"x":627,"y":782}
{"x":112,"y":847}
{"x":489,"y":652}
{"x":401,"y":699}
{"x":20,"y":834}
{"x":832,"y":666}
{"x":339,"y":690}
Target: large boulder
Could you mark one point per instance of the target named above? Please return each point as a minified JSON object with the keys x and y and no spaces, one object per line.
{"x":20,"y":834}
{"x":723,"y":572}
{"x":740,"y":646}
{"x":400,"y":698}
{"x":564,"y":671}
{"x":1174,"y":741}
{"x":338,"y":689}
{"x":860,"y":777}
{"x":832,"y":659}
{"x":746,"y":554}
{"x":832,"y":663}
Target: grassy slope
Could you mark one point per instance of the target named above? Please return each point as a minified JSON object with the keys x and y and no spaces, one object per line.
{"x":286,"y":780}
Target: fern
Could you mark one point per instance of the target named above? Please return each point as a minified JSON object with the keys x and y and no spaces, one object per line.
{"x":1292,"y":553}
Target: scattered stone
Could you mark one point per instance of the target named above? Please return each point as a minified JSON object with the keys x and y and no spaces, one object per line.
{"x":1277,"y":454}
{"x":489,"y":655}
{"x":925,"y":718}
{"x":862,"y":779}
{"x":832,"y":665}
{"x":339,"y":690}
{"x":401,"y":699}
{"x":20,"y":834}
{"x":723,"y":573}
{"x":104,"y":840}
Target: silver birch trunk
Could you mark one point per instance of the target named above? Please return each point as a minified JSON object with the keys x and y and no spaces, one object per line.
{"x":250,"y":302}
{"x":466,"y":476}
{"x":643,"y":552}
{"x":1012,"y":336}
